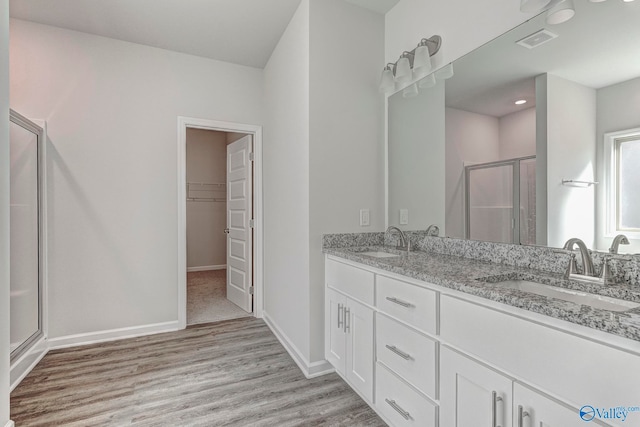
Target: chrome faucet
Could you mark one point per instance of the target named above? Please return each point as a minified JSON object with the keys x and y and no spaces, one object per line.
{"x":403,"y":243}
{"x":584,"y":253}
{"x":620,"y":239}
{"x":433,"y":230}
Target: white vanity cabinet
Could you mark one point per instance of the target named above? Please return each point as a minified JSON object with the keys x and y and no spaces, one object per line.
{"x":472,"y":395}
{"x":349,"y":325}
{"x":439,"y":357}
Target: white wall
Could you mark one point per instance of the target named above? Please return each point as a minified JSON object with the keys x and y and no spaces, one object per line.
{"x":571,"y":154}
{"x":417,"y":158}
{"x":206,"y":220}
{"x":518,"y":134}
{"x":286,"y":183}
{"x":464,"y":25}
{"x":346,"y":120}
{"x":470,"y":139}
{"x":618,"y":109}
{"x":4,"y":212}
{"x":112,"y":109}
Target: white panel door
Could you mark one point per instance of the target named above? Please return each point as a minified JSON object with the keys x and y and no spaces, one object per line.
{"x":239,"y":214}
{"x":335,"y":337}
{"x":472,"y":395}
{"x":359,"y":328}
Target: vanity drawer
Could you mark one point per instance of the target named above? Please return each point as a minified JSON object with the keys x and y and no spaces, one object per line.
{"x":400,"y":404}
{"x":408,"y":303}
{"x":352,"y":281}
{"x":407,"y":353}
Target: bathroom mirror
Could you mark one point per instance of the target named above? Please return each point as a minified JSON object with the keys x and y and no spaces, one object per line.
{"x":464,"y":155}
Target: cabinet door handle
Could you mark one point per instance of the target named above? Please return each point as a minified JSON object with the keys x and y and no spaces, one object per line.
{"x":400,"y":302}
{"x":340,"y":310}
{"x":522,"y":414}
{"x":394,"y":405}
{"x":400,"y":353}
{"x":347,"y":319}
{"x":494,"y":408}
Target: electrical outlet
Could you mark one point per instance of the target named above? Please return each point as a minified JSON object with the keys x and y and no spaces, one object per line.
{"x":365,"y":219}
{"x":404,"y":216}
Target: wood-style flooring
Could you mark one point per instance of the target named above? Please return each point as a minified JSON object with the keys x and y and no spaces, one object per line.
{"x":231,"y":373}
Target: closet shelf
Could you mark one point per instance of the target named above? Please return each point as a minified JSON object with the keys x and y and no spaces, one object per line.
{"x":206,"y":191}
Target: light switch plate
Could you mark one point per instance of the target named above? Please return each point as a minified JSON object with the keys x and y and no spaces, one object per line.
{"x":404,"y":216}
{"x":365,"y":219}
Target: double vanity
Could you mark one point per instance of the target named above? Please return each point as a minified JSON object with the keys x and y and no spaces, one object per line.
{"x":428,"y":338}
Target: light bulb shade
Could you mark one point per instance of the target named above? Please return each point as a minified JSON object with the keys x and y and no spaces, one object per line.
{"x":533,"y":5}
{"x":422,"y":60}
{"x":410,"y":91}
{"x":427,"y":82}
{"x":403,"y":70}
{"x":445,"y":72}
{"x":561,"y":12}
{"x":387,"y":84}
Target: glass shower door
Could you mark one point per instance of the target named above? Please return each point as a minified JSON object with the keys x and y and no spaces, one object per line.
{"x":25,"y":290}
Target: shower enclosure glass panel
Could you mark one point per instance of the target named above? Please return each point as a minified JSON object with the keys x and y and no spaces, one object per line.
{"x":25,"y":290}
{"x":500,"y":201}
{"x":490,"y":207}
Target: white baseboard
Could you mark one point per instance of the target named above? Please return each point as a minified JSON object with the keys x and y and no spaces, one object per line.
{"x":207,"y":268}
{"x":112,"y":335}
{"x":310,"y":370}
{"x":9,"y":424}
{"x":20,"y":368}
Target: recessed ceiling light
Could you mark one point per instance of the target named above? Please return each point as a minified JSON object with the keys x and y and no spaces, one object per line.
{"x":521,"y":101}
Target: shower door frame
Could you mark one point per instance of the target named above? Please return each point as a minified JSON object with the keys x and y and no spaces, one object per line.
{"x":24,"y":349}
{"x":515,"y":219}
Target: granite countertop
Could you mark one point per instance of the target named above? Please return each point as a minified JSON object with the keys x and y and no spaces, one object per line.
{"x":478,"y":278}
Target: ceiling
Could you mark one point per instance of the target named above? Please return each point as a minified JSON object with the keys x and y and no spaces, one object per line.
{"x":238,"y":31}
{"x":380,"y":6}
{"x":597,"y":48}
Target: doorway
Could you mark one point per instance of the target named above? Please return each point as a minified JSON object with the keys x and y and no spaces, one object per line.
{"x":219,"y":221}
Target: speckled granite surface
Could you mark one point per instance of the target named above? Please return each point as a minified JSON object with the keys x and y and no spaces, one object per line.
{"x":478,"y":277}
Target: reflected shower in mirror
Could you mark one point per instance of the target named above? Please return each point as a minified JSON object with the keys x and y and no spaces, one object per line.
{"x":546,"y":92}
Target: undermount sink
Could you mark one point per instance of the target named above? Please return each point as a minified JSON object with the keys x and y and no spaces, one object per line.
{"x":379,"y":254}
{"x":578,"y":297}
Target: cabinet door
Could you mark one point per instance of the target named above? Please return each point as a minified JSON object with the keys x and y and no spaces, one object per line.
{"x":359,"y":328}
{"x":472,"y":395}
{"x":533,"y":409}
{"x":334,"y":335}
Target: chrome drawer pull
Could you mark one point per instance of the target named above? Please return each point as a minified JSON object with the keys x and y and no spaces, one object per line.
{"x":400,"y":302}
{"x":400,"y":353}
{"x":394,"y":405}
{"x":340,"y":310}
{"x":347,"y":319}
{"x":494,"y":409}
{"x":521,"y":416}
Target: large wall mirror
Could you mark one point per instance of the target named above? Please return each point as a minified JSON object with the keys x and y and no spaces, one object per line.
{"x":534,"y":140}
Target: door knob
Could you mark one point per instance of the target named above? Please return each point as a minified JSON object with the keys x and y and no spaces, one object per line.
{"x":226,"y":231}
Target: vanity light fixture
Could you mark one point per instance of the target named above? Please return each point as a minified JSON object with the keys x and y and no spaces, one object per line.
{"x":520,"y":101}
{"x":561,"y":12}
{"x":403,"y":68}
{"x":411,"y":64}
{"x":427,"y":82}
{"x":533,"y":5}
{"x":410,"y":91}
{"x":445,"y":72}
{"x":387,"y":83}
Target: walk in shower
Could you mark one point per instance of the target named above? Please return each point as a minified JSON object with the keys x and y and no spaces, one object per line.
{"x":501,"y":201}
{"x":26,"y":213}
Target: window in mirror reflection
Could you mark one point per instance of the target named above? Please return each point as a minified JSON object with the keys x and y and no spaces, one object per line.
{"x":628,"y":181}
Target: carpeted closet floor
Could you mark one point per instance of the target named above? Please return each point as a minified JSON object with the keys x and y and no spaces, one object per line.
{"x":207,"y":298}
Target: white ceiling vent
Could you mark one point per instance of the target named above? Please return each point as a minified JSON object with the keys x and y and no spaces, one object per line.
{"x":537,"y":39}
